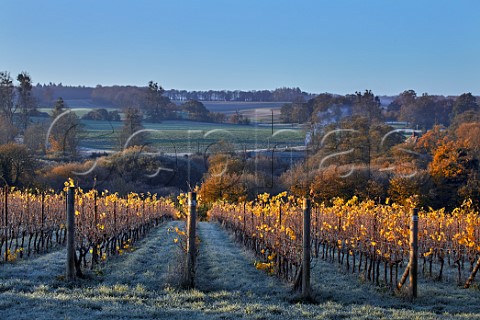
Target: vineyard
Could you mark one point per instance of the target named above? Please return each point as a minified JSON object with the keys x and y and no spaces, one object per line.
{"x":366,"y":238}
{"x":369,"y":239}
{"x":105,"y":224}
{"x":362,"y":238}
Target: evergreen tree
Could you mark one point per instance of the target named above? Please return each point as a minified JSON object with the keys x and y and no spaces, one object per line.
{"x":7,"y":93}
{"x":157,"y":107}
{"x":26,"y":102}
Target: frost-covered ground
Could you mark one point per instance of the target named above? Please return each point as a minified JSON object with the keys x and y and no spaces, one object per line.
{"x":141,"y":285}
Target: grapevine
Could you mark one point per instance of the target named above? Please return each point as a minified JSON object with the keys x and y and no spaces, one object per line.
{"x":366,"y":238}
{"x":106,"y":224}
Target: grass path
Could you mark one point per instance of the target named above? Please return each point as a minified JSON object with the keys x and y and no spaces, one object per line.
{"x":331,"y":282}
{"x":153,"y":265}
{"x":224,"y":265}
{"x":126,"y":287}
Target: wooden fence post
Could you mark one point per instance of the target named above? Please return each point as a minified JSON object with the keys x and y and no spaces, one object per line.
{"x":42,"y":227}
{"x":191,"y":246}
{"x":306,"y":249}
{"x":5,"y":204}
{"x":95,"y":227}
{"x":71,"y":233}
{"x":414,"y":253}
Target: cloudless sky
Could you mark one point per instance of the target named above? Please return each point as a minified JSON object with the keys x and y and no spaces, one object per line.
{"x":337,"y":46}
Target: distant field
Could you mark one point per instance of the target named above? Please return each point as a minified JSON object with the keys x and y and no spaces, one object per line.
{"x":231,"y":107}
{"x":256,"y":111}
{"x":188,"y":136}
{"x":77,"y":103}
{"x":259,"y":112}
{"x":214,"y":106}
{"x":79,"y":110}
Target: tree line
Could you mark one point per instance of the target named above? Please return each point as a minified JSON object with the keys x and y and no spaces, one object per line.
{"x":121,"y":96}
{"x":421,"y":112}
{"x":278,"y":95}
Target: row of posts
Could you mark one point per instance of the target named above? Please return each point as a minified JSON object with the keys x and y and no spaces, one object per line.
{"x":189,"y":271}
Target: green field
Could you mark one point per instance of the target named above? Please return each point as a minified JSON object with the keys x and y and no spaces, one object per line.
{"x":233,"y":106}
{"x":189,"y":136}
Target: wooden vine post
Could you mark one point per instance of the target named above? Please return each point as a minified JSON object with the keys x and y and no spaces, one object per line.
{"x":189,"y":281}
{"x":70,"y":234}
{"x":42,"y":227}
{"x":95,"y":227}
{"x":307,"y":210}
{"x":472,"y":275}
{"x":5,"y":204}
{"x":414,"y":254}
{"x":412,"y":269}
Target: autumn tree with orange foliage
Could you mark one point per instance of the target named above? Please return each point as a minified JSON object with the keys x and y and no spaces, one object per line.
{"x":222,"y":181}
{"x":452,"y":167}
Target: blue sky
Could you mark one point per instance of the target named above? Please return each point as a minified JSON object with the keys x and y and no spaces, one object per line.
{"x":320,"y":46}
